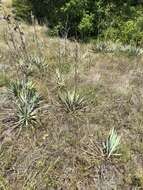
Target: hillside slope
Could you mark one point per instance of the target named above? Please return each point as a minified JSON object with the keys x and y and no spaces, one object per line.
{"x":65,"y":151}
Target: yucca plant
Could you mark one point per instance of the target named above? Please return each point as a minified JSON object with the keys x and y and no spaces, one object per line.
{"x":60,"y":79}
{"x":26,"y":100}
{"x":71,"y":100}
{"x":15,"y":88}
{"x":27,"y":105}
{"x":102,"y":47}
{"x":19,"y":86}
{"x":38,"y":62}
{"x":112,"y":143}
{"x":134,"y":51}
{"x":131,"y":50}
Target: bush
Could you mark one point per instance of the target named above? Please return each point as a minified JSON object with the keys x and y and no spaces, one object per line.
{"x":86,"y":24}
{"x":23,"y":9}
{"x":129,"y":32}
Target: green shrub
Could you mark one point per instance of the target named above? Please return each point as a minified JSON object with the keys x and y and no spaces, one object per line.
{"x":22,"y":9}
{"x":129,"y":32}
{"x":111,"y":33}
{"x":86,"y":24}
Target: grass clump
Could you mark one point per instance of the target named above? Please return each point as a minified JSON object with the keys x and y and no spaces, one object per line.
{"x":60,"y":79}
{"x":3,"y":80}
{"x":3,"y":183}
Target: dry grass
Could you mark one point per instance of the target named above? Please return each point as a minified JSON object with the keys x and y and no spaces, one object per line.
{"x":63,"y":150}
{"x":7,"y":3}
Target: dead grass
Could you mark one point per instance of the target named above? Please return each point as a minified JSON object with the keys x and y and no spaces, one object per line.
{"x":61,"y":153}
{"x":7,"y":3}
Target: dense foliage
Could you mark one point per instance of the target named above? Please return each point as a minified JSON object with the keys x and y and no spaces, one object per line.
{"x":116,"y":20}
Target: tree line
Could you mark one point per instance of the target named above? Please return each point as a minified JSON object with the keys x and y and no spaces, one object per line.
{"x":109,"y":19}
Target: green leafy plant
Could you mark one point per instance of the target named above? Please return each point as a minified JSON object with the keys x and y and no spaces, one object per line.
{"x":22,"y":9}
{"x":27,"y":102}
{"x":130,"y":32}
{"x":71,"y":100}
{"x":86,"y":24}
{"x":27,"y":108}
{"x":112,"y":143}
